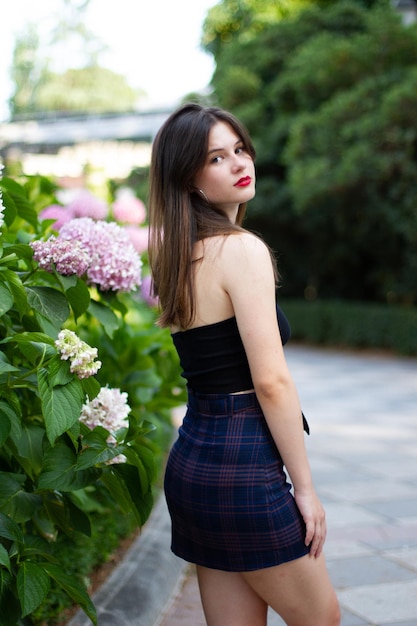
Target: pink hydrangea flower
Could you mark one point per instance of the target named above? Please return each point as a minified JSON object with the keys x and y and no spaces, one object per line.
{"x":85,"y":204}
{"x":56,"y":212}
{"x":138,"y":237}
{"x":145,"y":290}
{"x":128,"y":209}
{"x":81,"y":355}
{"x":113,"y":263}
{"x":68,"y":257}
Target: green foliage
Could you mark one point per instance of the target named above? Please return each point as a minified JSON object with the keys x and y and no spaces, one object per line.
{"x":89,"y":89}
{"x":329,"y":96}
{"x":353,"y":324}
{"x":54,"y":470}
{"x":86,"y":86}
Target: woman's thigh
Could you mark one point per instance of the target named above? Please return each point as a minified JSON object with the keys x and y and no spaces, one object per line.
{"x":300,"y":591}
{"x":228,"y":599}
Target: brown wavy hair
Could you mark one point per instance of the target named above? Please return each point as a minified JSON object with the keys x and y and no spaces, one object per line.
{"x":178,"y":214}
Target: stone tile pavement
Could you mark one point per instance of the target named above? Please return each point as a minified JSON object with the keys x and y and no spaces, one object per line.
{"x":362,"y":410}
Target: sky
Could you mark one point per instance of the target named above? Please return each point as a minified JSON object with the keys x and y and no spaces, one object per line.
{"x":154,"y":43}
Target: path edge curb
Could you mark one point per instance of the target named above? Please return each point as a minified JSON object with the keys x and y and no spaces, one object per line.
{"x":142,"y":585}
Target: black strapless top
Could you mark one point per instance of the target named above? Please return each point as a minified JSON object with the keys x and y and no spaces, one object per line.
{"x":213,"y":358}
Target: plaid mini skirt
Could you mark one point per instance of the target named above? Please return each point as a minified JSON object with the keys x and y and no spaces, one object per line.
{"x":226,"y":489}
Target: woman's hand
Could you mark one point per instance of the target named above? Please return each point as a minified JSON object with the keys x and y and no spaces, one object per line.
{"x":315,"y":520}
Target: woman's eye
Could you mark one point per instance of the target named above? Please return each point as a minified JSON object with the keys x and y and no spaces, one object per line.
{"x":216,"y":159}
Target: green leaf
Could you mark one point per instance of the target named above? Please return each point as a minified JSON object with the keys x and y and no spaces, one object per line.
{"x":17,"y":289}
{"x":9,"y":604}
{"x":32,"y":586}
{"x":137,"y":501}
{"x":21,"y":250}
{"x":29,"y":449}
{"x":50,"y":303}
{"x":21,"y":202}
{"x":78,"y":520}
{"x":91,"y":387}
{"x":22,"y":506}
{"x":10,"y":212}
{"x":6,"y":300}
{"x":32,"y":337}
{"x":4,"y":557}
{"x":10,"y":484}
{"x":79,"y":298}
{"x":59,"y":371}
{"x":74,"y":589}
{"x":5,"y":427}
{"x":105,"y":316}
{"x":67,"y":281}
{"x":61,"y":406}
{"x":5,"y":365}
{"x":60,"y":472}
{"x":9,"y":529}
{"x":7,"y":413}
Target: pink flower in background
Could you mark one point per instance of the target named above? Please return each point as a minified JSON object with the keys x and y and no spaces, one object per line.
{"x":60,"y":214}
{"x":138,"y":237}
{"x":145,"y":290}
{"x":114,"y":263}
{"x":85,"y":204}
{"x":68,"y":257}
{"x":128,"y":209}
{"x":101,"y":250}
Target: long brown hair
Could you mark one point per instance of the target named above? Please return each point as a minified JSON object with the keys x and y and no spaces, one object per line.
{"x":178,"y":214}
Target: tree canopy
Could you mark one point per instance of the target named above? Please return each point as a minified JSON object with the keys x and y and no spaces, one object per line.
{"x":330,"y":97}
{"x":42,"y":85}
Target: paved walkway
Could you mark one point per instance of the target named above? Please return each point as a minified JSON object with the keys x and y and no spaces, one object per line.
{"x":362,"y":411}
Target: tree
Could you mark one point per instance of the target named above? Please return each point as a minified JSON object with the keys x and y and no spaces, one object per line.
{"x":90,"y":89}
{"x":43,"y":84}
{"x":329,"y":97}
{"x":28,"y":72}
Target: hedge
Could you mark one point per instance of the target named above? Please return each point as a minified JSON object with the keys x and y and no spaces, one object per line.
{"x":353,"y":324}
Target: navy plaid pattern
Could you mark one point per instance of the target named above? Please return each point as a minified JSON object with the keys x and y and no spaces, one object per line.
{"x":226,"y":489}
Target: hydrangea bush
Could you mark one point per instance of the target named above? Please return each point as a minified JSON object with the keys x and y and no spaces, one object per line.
{"x":87,"y":381}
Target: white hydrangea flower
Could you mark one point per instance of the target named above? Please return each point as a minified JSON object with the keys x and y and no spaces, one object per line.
{"x":79,"y":353}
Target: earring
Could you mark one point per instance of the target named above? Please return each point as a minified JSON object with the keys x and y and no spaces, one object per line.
{"x":203,"y":194}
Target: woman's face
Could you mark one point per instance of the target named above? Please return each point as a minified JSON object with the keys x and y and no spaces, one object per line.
{"x":227,"y":178}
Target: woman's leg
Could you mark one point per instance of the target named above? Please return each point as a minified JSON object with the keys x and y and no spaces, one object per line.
{"x":228,"y":600}
{"x":300,"y":591}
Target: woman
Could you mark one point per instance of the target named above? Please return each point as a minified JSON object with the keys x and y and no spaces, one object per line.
{"x":254,"y":544}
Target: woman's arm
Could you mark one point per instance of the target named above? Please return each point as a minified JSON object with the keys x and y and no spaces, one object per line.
{"x":248,"y":278}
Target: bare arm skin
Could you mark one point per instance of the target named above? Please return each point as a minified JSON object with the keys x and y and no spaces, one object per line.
{"x":246,"y":276}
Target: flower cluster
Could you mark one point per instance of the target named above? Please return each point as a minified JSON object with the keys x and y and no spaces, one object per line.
{"x":127,"y":209}
{"x":84,"y":204}
{"x":108,"y":409}
{"x":112,"y":262}
{"x":1,"y":201}
{"x":68,"y":257}
{"x":79,"y":353}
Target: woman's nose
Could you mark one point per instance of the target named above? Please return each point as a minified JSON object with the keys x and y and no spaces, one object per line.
{"x":238,"y":163}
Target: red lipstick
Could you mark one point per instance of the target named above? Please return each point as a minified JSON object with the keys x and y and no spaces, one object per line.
{"x":243,"y":182}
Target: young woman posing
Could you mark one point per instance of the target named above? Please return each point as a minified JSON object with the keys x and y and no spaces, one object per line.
{"x":254,"y":543}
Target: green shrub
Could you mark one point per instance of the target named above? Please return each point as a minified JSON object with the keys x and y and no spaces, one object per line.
{"x":57,"y":463}
{"x":354,"y":324}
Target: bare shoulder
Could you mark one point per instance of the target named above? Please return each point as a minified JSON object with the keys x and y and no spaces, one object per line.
{"x":245,"y":246}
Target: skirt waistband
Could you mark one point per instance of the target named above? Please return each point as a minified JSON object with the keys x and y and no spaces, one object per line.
{"x":221,"y":403}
